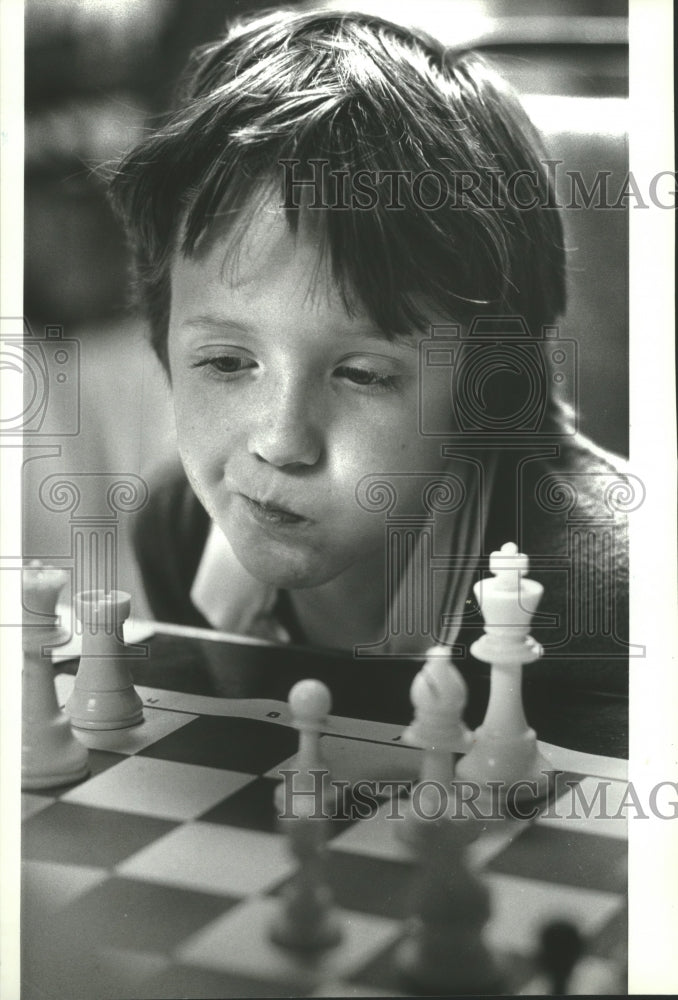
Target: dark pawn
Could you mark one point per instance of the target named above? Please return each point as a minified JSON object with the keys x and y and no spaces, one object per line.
{"x":443,"y":952}
{"x":561,"y":947}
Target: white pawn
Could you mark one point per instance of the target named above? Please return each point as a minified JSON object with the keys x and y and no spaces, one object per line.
{"x":307,"y":921}
{"x":50,"y":753}
{"x":103,"y":696}
{"x":505,"y":747}
{"x":309,"y":703}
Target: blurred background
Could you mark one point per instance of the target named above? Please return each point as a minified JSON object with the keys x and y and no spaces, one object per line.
{"x":98,"y":72}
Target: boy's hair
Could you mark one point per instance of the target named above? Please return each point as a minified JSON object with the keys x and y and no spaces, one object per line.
{"x":362,"y":95}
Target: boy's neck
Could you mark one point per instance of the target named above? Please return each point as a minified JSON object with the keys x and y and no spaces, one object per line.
{"x":345,"y":612}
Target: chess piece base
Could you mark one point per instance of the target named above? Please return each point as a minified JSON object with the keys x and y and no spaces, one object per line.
{"x":308,"y":936}
{"x":51,"y":755}
{"x":105,"y":709}
{"x":508,"y":760}
{"x":446,"y":962}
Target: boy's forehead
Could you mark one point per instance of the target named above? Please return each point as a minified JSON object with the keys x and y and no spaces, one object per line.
{"x":258,"y":258}
{"x":258,"y":246}
{"x":255,"y":253}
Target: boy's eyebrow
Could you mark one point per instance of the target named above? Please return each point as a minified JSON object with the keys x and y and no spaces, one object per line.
{"x":217,"y":322}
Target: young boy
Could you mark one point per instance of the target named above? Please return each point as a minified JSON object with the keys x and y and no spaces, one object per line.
{"x":340,"y":217}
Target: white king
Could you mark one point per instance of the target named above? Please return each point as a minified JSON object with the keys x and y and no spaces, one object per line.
{"x":505,"y":747}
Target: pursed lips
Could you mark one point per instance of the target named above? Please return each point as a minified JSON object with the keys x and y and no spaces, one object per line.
{"x":274,"y":510}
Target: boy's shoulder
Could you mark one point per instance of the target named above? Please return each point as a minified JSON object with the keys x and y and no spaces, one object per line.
{"x":581,"y":492}
{"x":169,"y":537}
{"x":576,"y":516}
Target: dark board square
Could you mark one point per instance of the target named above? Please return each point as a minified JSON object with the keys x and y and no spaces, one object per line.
{"x":250,"y":808}
{"x":365,"y":884}
{"x":124,"y":913}
{"x":381,"y":971}
{"x":81,"y":835}
{"x":245,"y":745}
{"x":254,"y":808}
{"x":582,"y":860}
{"x":189,"y":981}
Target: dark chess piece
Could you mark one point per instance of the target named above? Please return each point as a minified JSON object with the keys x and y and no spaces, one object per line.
{"x":444,"y":952}
{"x":561,"y":946}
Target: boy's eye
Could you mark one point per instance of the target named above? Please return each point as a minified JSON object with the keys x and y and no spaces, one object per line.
{"x":366,"y":377}
{"x":226,"y":364}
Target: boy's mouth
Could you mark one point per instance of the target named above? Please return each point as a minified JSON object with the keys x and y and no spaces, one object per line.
{"x":272,"y":514}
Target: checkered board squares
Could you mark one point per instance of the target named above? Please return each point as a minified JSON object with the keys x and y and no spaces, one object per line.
{"x":591,"y":797}
{"x":240,"y":941}
{"x":246,"y":745}
{"x":158,"y":788}
{"x":561,"y":857}
{"x":374,"y":837}
{"x":213,"y":859}
{"x":160,"y":874}
{"x":379,"y":836}
{"x":155,"y":725}
{"x":142,"y":916}
{"x":355,"y":760}
{"x":520,"y":907}
{"x":209,"y":984}
{"x":591,"y":977}
{"x":32,"y":804}
{"x":252,"y":807}
{"x":68,"y":833}
{"x":50,"y":887}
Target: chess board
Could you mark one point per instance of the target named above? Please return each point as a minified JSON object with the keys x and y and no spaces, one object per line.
{"x":160,"y":874}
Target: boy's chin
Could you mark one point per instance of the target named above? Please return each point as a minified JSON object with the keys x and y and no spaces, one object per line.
{"x":285,"y":572}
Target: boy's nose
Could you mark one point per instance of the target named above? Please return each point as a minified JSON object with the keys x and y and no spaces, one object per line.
{"x":286,"y":434}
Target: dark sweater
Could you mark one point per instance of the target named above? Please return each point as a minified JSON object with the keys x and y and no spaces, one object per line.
{"x":563,"y":510}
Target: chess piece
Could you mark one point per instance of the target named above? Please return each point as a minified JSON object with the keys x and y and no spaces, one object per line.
{"x":307,"y":921}
{"x":50,"y":753}
{"x":443,"y":952}
{"x":561,"y":946}
{"x":504,"y":748}
{"x":103,"y":696}
{"x":438,"y":695}
{"x":309,"y":703}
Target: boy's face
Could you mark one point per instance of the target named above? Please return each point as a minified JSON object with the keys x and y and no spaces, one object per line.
{"x":284,"y":401}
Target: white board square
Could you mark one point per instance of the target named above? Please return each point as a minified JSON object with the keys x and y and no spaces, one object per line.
{"x":166,"y":789}
{"x":521,"y":907}
{"x":601,"y":799}
{"x":376,"y":836}
{"x":213,"y":858}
